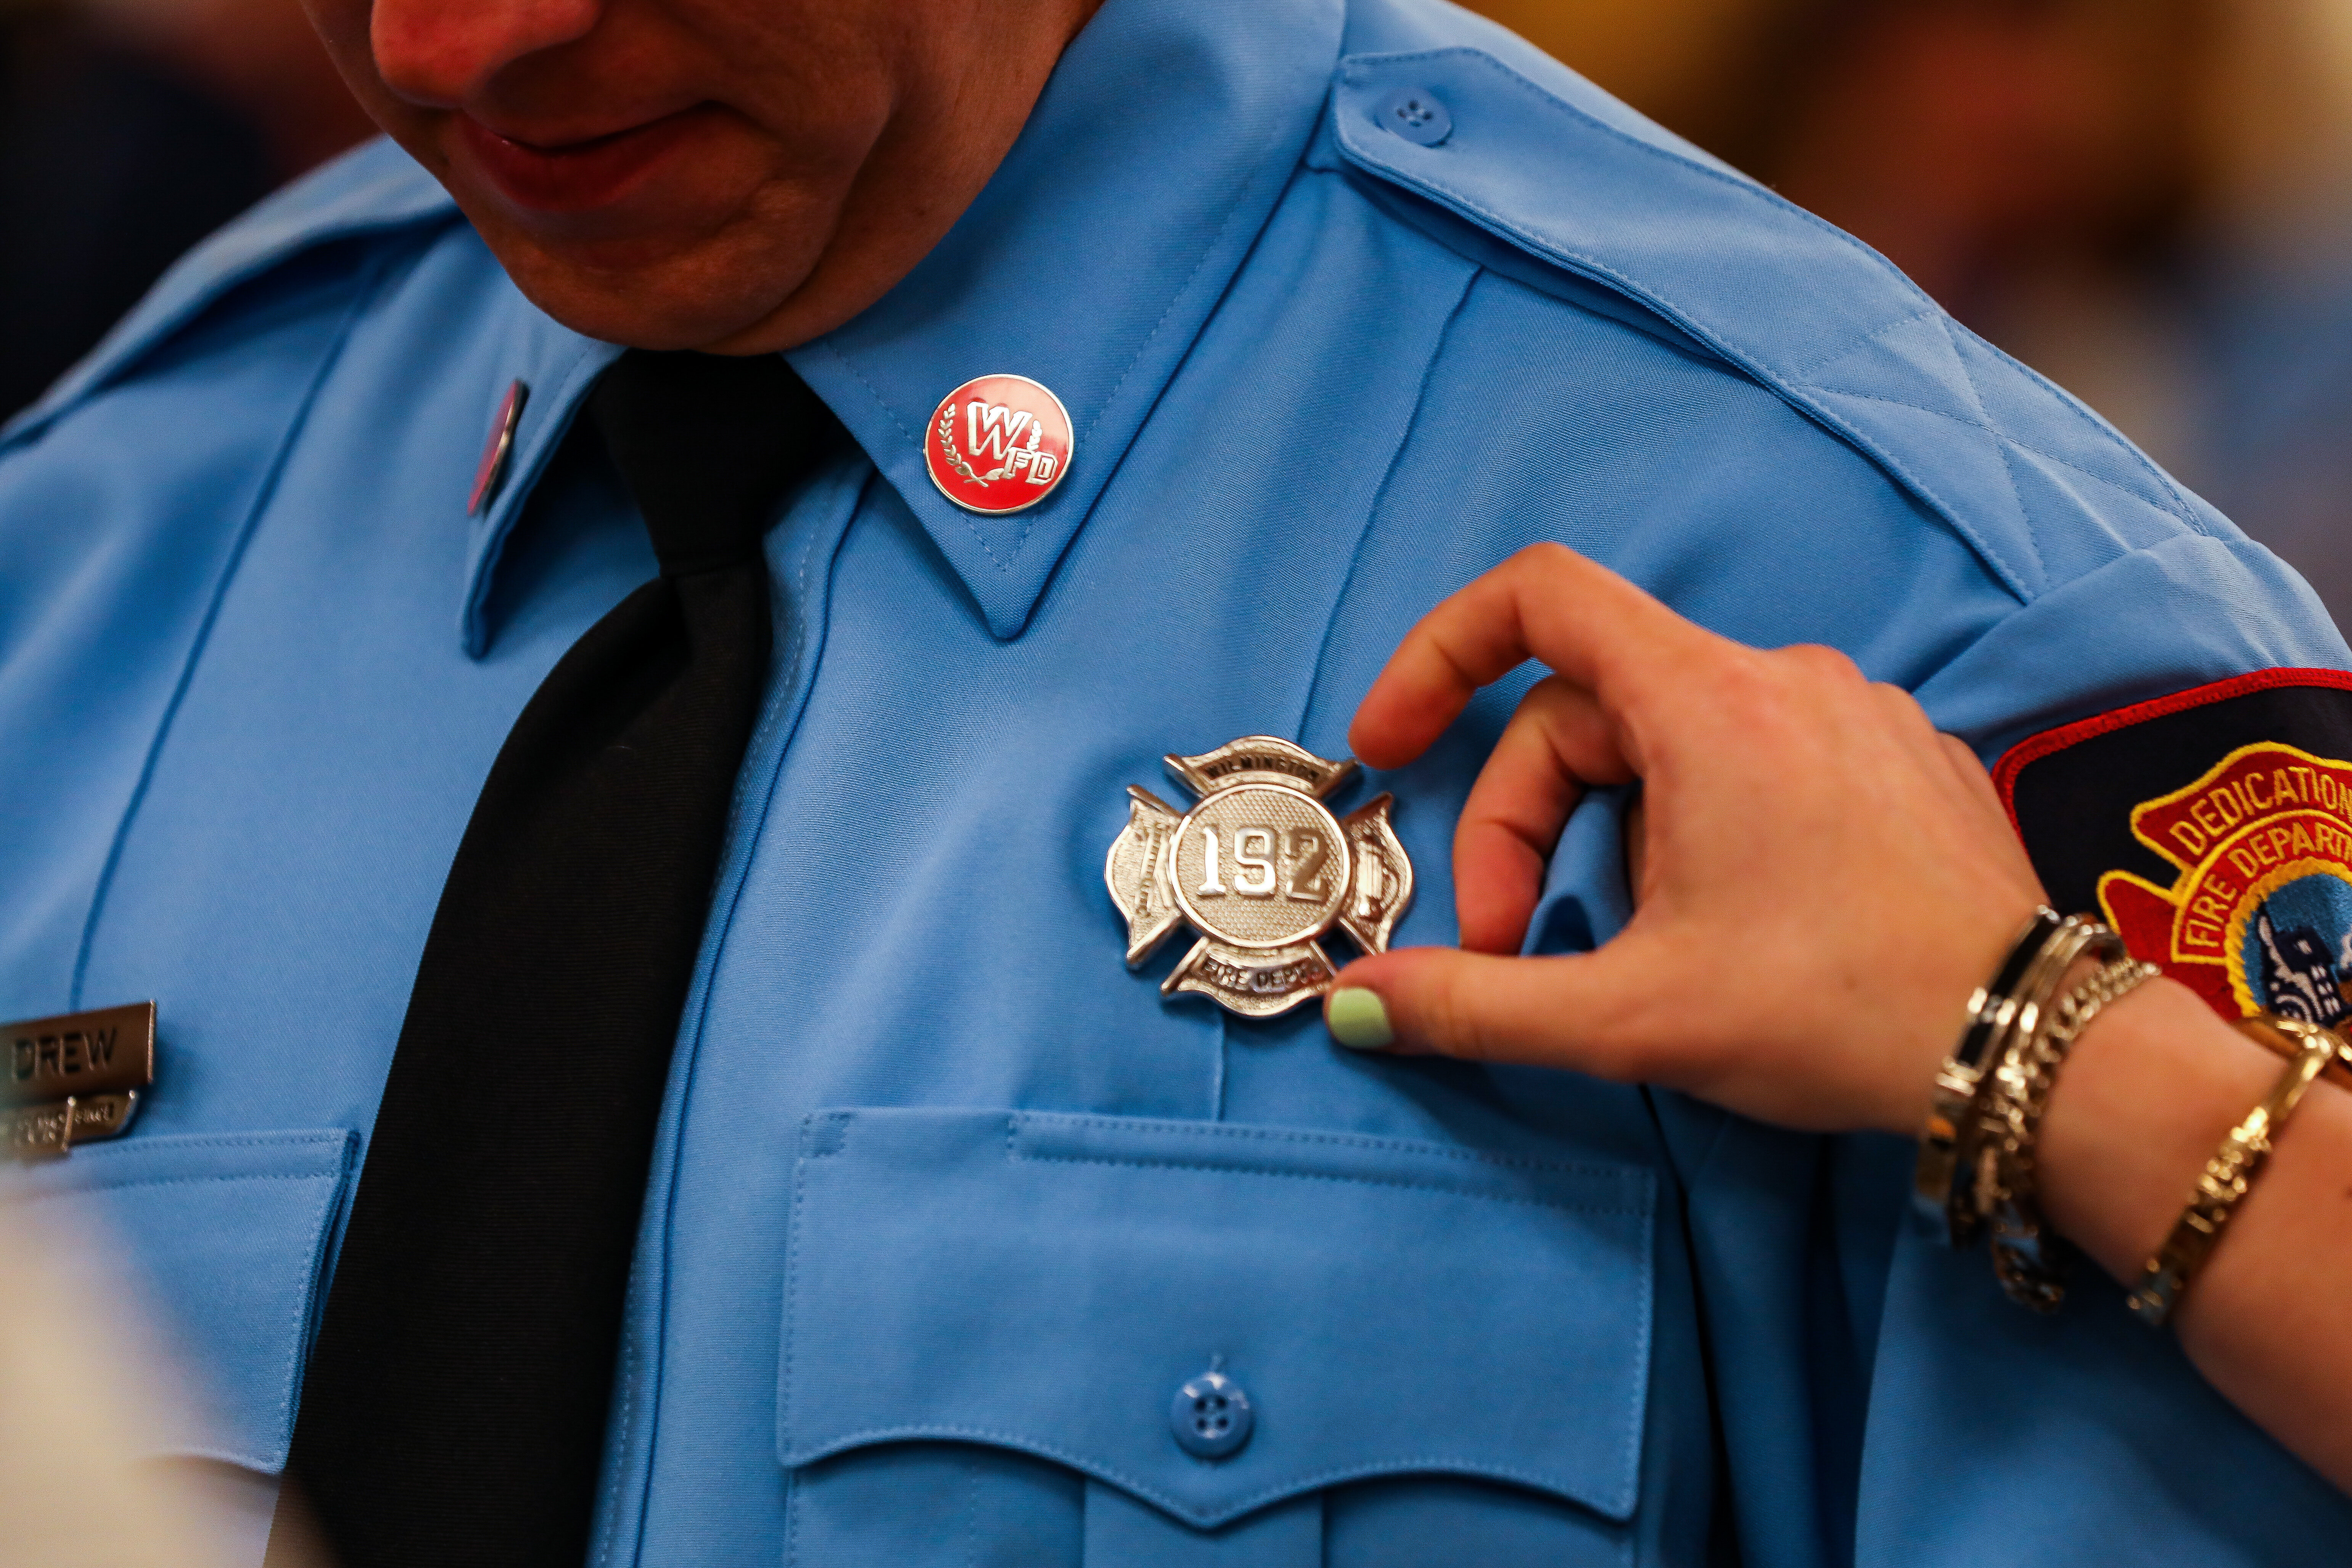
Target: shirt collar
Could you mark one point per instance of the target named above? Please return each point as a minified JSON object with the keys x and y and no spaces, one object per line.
{"x":555,"y":366}
{"x":1088,"y":263}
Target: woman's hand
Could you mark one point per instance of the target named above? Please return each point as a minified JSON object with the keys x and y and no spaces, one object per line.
{"x":1824,"y":878}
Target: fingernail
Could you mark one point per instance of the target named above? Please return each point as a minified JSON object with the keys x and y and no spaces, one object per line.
{"x":1359,"y":1020}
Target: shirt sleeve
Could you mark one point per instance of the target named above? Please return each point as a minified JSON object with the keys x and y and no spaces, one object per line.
{"x":2183,"y":683}
{"x":2195,"y":788}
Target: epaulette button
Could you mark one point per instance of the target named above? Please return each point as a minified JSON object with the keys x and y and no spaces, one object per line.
{"x":1418,"y":117}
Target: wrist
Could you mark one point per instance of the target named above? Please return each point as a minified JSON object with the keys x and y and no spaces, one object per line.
{"x":1905,"y":1099}
{"x":2154,"y":1085}
{"x":1976,"y":1146}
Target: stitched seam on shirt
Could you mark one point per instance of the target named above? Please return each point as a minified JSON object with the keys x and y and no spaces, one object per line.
{"x":1737,"y":352}
{"x":1847,"y":350}
{"x":802,"y":630}
{"x":1809,"y":372}
{"x":170,"y":1182}
{"x":1637,"y":1390}
{"x":971,"y":1512}
{"x":872,"y":392}
{"x":1241,"y":190}
{"x":1342,"y":1139}
{"x":775,"y":728}
{"x":792,"y":1337}
{"x":617,"y":1444}
{"x":224,"y":1141}
{"x":2011,"y":441}
{"x":792,"y":1278}
{"x":1745,"y":188}
{"x":1015,"y":1127}
{"x":1451,"y":1463}
{"x":1972,"y":535}
{"x":1380,"y":491}
{"x":371,"y":281}
{"x":1183,"y":289}
{"x":900,"y":425}
{"x":2000,"y":447}
{"x":1218,"y":1072}
{"x":1388,"y":1182}
{"x":791,"y":1518}
{"x":290,"y":1373}
{"x":2085,"y":418}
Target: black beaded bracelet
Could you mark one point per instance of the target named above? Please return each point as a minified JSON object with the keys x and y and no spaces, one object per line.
{"x":1940,"y":1185}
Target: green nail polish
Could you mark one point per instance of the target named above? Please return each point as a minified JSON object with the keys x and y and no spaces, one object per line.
{"x":1360,"y":1020}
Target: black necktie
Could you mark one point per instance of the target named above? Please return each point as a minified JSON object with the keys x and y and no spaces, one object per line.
{"x":454,"y":1411}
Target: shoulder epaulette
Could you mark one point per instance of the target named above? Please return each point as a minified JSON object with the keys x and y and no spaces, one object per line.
{"x":1543,"y":161}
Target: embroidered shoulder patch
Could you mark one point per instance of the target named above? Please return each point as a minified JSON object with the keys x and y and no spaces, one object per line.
{"x":2214,"y":830}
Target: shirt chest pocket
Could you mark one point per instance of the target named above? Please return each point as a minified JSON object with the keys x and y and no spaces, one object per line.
{"x":221,"y":1242}
{"x":1000,"y":1331}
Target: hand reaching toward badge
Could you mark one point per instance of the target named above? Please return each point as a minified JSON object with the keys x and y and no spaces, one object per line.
{"x":1822,"y":880}
{"x":1822,"y":876}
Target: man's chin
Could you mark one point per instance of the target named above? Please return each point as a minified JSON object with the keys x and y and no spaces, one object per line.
{"x":646,"y":294}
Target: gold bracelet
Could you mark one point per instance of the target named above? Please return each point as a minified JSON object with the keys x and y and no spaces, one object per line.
{"x":2076,"y":936}
{"x":2229,"y":1175}
{"x":2032,"y":1262}
{"x":2270,"y":1034}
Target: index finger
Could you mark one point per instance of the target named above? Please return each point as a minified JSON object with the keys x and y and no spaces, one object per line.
{"x":1590,"y":626}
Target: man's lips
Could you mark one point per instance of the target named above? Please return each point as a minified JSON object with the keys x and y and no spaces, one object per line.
{"x":578,"y":177}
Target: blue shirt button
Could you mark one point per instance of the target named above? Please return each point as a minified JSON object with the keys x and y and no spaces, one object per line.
{"x":1417,"y":117}
{"x":1211,"y":1416}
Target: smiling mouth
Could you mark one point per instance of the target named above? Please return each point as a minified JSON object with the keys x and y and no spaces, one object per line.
{"x":577,"y":176}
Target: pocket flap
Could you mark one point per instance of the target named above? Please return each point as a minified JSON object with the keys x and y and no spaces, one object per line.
{"x":220,"y":1239}
{"x":1048,"y":1282}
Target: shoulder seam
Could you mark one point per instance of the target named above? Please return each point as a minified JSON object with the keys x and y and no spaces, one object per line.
{"x":2008,"y":574}
{"x":1807,"y":374}
{"x":2006,"y":440}
{"x":2020,"y":564}
{"x":1739,"y":182}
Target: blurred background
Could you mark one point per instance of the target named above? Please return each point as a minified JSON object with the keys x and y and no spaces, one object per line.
{"x":129,"y":131}
{"x":2148,"y":200}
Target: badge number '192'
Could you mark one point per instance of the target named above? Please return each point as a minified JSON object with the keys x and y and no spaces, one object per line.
{"x":1261,"y":870}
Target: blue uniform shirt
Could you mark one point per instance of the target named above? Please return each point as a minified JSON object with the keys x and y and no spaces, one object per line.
{"x":947,"y":1203}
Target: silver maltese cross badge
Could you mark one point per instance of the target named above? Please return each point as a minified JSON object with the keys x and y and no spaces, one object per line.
{"x":1261,"y":870}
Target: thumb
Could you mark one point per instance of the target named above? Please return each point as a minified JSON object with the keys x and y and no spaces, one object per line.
{"x":1572,"y":1012}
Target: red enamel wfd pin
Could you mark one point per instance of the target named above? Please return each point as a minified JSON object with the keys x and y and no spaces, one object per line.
{"x":998,"y":443}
